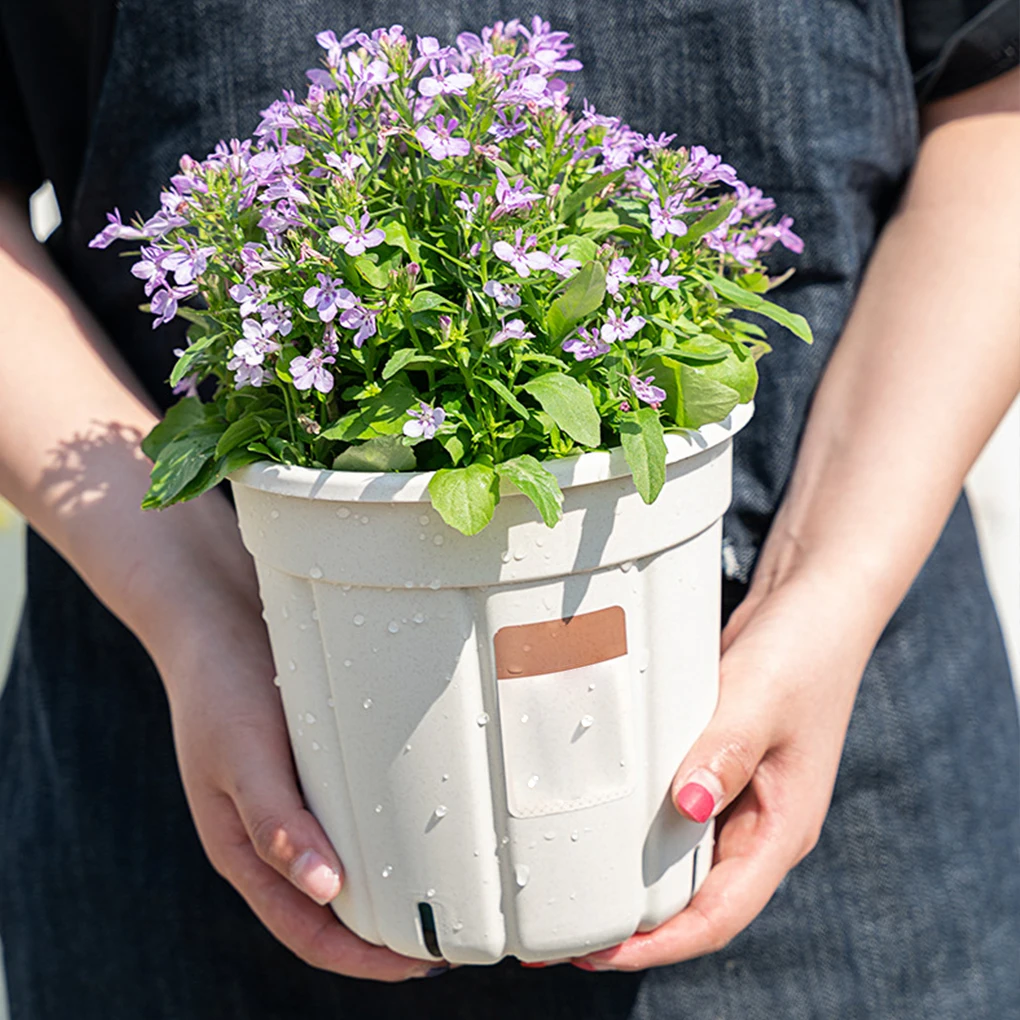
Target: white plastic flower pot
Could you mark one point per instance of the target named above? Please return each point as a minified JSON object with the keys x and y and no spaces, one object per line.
{"x":487,"y":727}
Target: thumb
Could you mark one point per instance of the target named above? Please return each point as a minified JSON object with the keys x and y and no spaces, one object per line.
{"x":722,"y":760}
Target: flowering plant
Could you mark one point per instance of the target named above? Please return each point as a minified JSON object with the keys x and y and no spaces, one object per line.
{"x":430,"y":263}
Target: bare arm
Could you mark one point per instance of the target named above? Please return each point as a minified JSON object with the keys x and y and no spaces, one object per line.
{"x":927,"y":365}
{"x":70,"y":426}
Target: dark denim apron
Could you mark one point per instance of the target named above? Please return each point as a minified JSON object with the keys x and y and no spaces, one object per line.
{"x":910,"y":905}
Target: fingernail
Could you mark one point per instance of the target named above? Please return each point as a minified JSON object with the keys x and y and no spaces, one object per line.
{"x":313,"y":876}
{"x":698,"y":797}
{"x":436,"y":971}
{"x":532,"y":965}
{"x":584,"y":965}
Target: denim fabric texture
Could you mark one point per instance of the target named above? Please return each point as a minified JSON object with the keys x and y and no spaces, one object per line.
{"x":910,"y":905}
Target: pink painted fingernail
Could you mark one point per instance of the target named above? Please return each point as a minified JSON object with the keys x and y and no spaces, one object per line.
{"x":313,"y":876}
{"x":585,"y":965}
{"x":533,"y":965}
{"x":698,"y":797}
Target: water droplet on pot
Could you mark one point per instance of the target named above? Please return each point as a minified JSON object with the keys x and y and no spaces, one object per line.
{"x":483,"y":719}
{"x":587,"y":721}
{"x":591,"y":687}
{"x":407,"y":748}
{"x":409,"y":584}
{"x":521,"y":875}
{"x":504,"y":841}
{"x":532,"y":782}
{"x":285,"y":613}
{"x":274,"y":514}
{"x":575,"y":836}
{"x":627,"y":565}
{"x":309,"y":718}
{"x":348,"y":663}
{"x":303,"y":626}
{"x":330,"y":702}
{"x":393,"y":626}
{"x":446,"y":776}
{"x":292,"y":665}
{"x":315,"y":573}
{"x":429,"y":893}
{"x":367,"y":703}
{"x":359,"y":619}
{"x":539,"y":541}
{"x":524,"y":718}
{"x":300,"y":732}
{"x":623,"y":764}
{"x":276,"y":681}
{"x":436,"y":584}
{"x":424,"y":519}
{"x":421,"y":536}
{"x":315,"y":615}
{"x":549,"y":836}
{"x":387,"y":871}
{"x":440,"y":811}
{"x":438,"y":539}
{"x":345,"y":587}
{"x":457,"y":926}
{"x":378,"y":809}
{"x":343,"y":513}
{"x":418,"y":617}
{"x":519,"y":554}
{"x":364,"y":520}
{"x":316,"y":746}
{"x":505,"y":556}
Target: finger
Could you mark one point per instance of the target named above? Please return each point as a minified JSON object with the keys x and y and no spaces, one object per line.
{"x":282,"y":831}
{"x":742,"y":881}
{"x":311,"y":932}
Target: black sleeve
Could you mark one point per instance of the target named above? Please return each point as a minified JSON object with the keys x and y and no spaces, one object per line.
{"x":956,"y":44}
{"x":19,"y":162}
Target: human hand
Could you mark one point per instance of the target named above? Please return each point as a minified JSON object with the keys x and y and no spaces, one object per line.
{"x":792,"y":662}
{"x":235,"y":761}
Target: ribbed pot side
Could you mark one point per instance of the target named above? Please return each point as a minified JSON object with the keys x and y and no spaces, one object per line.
{"x":487,"y":727}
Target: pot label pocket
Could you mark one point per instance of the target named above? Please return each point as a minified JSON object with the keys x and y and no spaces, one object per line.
{"x":566,"y":712}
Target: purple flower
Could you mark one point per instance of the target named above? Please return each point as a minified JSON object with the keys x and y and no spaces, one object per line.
{"x":708,"y":169}
{"x":360,"y":319}
{"x":469,"y":206}
{"x":751,"y":202}
{"x":507,"y":124}
{"x":662,"y":142}
{"x":115,"y":231}
{"x":656,"y":275}
{"x":245,"y":374}
{"x":512,"y":330}
{"x":646,"y":391}
{"x":664,"y":220}
{"x":438,"y":141}
{"x":250,"y":299}
{"x":425,"y":420}
{"x":513,"y":197}
{"x":187,"y":263}
{"x":277,"y":319}
{"x":518,"y":255}
{"x":619,"y":327}
{"x":558,"y":264}
{"x":312,"y":371}
{"x":164,"y":302}
{"x":253,"y":347}
{"x":359,"y":79}
{"x":587,"y":344}
{"x":616,"y":276}
{"x":504,"y":296}
{"x":150,"y":269}
{"x":442,"y":83}
{"x":782,"y":233}
{"x":357,"y":238}
{"x":346,"y":164}
{"x":429,"y":51}
{"x":329,"y":297}
{"x":281,"y":218}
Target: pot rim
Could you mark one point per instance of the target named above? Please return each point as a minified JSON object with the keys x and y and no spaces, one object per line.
{"x":412,"y":486}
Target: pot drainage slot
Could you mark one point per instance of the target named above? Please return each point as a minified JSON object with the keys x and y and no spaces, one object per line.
{"x":428,"y":929}
{"x":694,"y":872}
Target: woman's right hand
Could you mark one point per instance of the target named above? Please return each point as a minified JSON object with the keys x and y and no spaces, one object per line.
{"x":235,"y":761}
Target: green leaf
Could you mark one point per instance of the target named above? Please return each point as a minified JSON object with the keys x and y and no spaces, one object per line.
{"x":408,"y":357}
{"x":183,"y":415}
{"x":600,"y":222}
{"x":383,"y":414}
{"x":371,"y":273}
{"x":537,"y":483}
{"x":644,"y":447}
{"x":454,"y":446}
{"x":186,"y":362}
{"x":584,"y":249}
{"x":569,"y":404}
{"x":703,"y":226}
{"x":583,"y":295}
{"x":743,"y":298}
{"x":287,"y":355}
{"x":196,"y":316}
{"x":465,"y":497}
{"x":426,"y":300}
{"x":589,"y":189}
{"x":705,"y":399}
{"x":240,"y":433}
{"x":384,"y":453}
{"x":703,"y":348}
{"x":738,"y":371}
{"x":397,"y":235}
{"x":179,"y":462}
{"x":505,"y":393}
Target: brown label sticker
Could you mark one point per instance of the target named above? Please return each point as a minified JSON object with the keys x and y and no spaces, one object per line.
{"x":531,"y":649}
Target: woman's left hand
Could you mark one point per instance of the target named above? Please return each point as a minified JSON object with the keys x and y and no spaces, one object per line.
{"x":792,"y":661}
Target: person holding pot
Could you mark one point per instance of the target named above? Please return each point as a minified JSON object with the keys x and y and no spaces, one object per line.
{"x":864,"y":681}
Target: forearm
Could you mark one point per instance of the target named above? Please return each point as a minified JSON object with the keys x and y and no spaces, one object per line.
{"x":70,"y":461}
{"x":927,"y":366}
